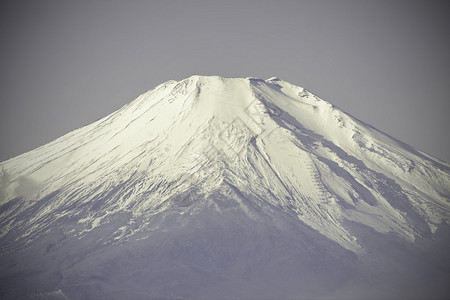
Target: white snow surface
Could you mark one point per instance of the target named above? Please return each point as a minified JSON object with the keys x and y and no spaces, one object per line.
{"x":276,"y":143}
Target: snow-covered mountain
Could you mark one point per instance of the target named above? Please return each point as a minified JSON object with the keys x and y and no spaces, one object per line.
{"x":217,"y":187}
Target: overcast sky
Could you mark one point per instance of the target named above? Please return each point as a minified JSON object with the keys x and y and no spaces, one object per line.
{"x":65,"y":64}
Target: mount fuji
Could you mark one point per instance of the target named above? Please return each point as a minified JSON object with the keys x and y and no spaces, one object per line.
{"x":225,"y":188}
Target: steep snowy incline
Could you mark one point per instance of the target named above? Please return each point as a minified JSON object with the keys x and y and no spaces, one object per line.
{"x":272,"y":145}
{"x":358,"y":148}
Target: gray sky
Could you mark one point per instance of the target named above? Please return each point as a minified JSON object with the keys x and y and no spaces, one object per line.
{"x":68,"y":63}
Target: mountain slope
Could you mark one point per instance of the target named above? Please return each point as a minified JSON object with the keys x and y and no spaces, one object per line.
{"x":215,"y":177}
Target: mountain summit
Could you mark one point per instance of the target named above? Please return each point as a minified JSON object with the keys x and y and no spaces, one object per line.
{"x":216,"y":187}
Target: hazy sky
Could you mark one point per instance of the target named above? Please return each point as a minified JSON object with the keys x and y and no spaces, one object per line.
{"x":65,"y":64}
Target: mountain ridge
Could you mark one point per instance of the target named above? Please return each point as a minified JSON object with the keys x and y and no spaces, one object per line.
{"x":213,"y":152}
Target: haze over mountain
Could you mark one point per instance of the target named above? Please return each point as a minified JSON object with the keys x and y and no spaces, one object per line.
{"x":217,"y":187}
